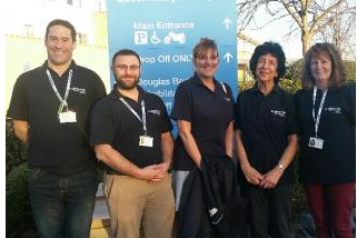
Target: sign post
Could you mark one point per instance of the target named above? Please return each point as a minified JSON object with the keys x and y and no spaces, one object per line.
{"x":164,"y":32}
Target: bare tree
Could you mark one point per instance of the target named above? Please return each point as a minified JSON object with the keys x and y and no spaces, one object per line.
{"x":309,"y":17}
{"x":342,"y":34}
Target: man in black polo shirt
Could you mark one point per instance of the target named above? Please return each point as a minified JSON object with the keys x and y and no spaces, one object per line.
{"x":49,"y":108}
{"x":266,"y":144}
{"x":130,"y":132}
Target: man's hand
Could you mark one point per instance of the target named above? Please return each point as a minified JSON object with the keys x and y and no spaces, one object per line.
{"x":21,"y":129}
{"x":271,"y":179}
{"x":162,"y":171}
{"x":149,"y":172}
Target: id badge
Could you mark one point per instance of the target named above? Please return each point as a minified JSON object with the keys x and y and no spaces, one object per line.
{"x":67,"y":117}
{"x":316,"y":143}
{"x":146,"y":141}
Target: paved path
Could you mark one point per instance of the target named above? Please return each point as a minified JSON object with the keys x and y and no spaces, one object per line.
{"x":101,"y":220}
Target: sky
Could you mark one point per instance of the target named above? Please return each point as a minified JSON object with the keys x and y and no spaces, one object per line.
{"x":276,"y":31}
{"x":291,"y":47}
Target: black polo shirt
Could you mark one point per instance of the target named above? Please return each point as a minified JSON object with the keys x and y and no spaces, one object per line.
{"x":114,"y":124}
{"x":336,"y":162}
{"x":209,"y":113}
{"x":60,"y":148}
{"x":265,"y":123}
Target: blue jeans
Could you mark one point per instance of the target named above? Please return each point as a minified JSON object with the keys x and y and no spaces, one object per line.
{"x":62,"y":206}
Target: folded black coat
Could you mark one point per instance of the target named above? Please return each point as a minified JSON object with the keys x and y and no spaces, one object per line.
{"x":210,"y":206}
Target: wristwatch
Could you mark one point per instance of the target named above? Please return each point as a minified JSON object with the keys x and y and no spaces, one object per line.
{"x":280,"y":166}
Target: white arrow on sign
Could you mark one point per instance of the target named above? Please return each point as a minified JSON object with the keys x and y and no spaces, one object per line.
{"x":227,"y":22}
{"x":228,"y":57}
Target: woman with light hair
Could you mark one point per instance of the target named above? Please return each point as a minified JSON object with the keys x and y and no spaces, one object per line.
{"x":326,"y":114}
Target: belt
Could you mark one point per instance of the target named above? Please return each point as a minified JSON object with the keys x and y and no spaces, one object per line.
{"x":113,"y":172}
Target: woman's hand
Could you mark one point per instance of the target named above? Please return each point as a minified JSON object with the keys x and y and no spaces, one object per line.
{"x":251,"y":174}
{"x":271,"y":179}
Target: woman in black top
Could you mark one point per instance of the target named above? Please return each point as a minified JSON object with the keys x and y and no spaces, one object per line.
{"x":266,"y":143}
{"x":203,"y":110}
{"x":326,"y":114}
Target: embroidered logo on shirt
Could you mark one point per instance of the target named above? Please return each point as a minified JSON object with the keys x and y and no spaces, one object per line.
{"x":79,"y":90}
{"x":336,"y":110}
{"x":156,"y":112}
{"x":278,"y":113}
{"x":227,"y":99}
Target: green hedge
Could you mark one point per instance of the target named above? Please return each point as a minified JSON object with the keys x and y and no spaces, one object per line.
{"x":18,"y":209}
{"x":15,"y":149}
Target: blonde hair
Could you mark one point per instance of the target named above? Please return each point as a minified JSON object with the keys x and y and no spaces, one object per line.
{"x":203,"y":45}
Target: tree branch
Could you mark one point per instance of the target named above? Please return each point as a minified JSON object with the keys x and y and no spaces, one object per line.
{"x":294,"y":15}
{"x":324,"y":14}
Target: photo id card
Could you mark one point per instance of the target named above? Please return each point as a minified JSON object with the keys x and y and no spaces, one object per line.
{"x":316,"y":143}
{"x":146,"y":141}
{"x":67,"y":117}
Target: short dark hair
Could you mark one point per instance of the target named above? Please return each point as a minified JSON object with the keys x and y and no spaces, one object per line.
{"x":203,"y":45}
{"x":64,"y":23}
{"x":338,"y":74}
{"x":274,"y":49}
{"x":125,"y":52}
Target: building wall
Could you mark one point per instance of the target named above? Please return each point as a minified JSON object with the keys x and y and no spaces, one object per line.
{"x":246,"y":47}
{"x":25,"y":30}
{"x":100,"y":27}
{"x":24,"y":53}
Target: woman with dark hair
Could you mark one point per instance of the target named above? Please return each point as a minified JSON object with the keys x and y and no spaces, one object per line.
{"x":326,"y":116}
{"x":266,"y":144}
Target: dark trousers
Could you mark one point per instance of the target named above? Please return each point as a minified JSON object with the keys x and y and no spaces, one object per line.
{"x":62,"y":206}
{"x":331,"y":206}
{"x":269,"y":211}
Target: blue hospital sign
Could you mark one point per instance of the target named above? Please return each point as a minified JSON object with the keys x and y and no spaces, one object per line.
{"x":164,"y":32}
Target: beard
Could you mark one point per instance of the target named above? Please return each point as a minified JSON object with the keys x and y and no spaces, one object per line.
{"x":125,"y":85}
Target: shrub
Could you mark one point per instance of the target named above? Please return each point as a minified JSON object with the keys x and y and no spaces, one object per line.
{"x":293,"y":70}
{"x":18,"y":209}
{"x":15,"y":149}
{"x":350,"y":67}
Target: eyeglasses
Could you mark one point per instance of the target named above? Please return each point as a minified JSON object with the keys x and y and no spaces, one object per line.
{"x":122,"y":67}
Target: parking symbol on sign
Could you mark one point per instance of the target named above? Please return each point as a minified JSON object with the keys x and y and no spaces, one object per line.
{"x":141,"y":38}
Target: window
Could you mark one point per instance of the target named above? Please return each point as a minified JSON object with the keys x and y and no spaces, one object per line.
{"x":75,"y":3}
{"x":28,"y":30}
{"x":26,"y":67}
{"x":82,"y":38}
